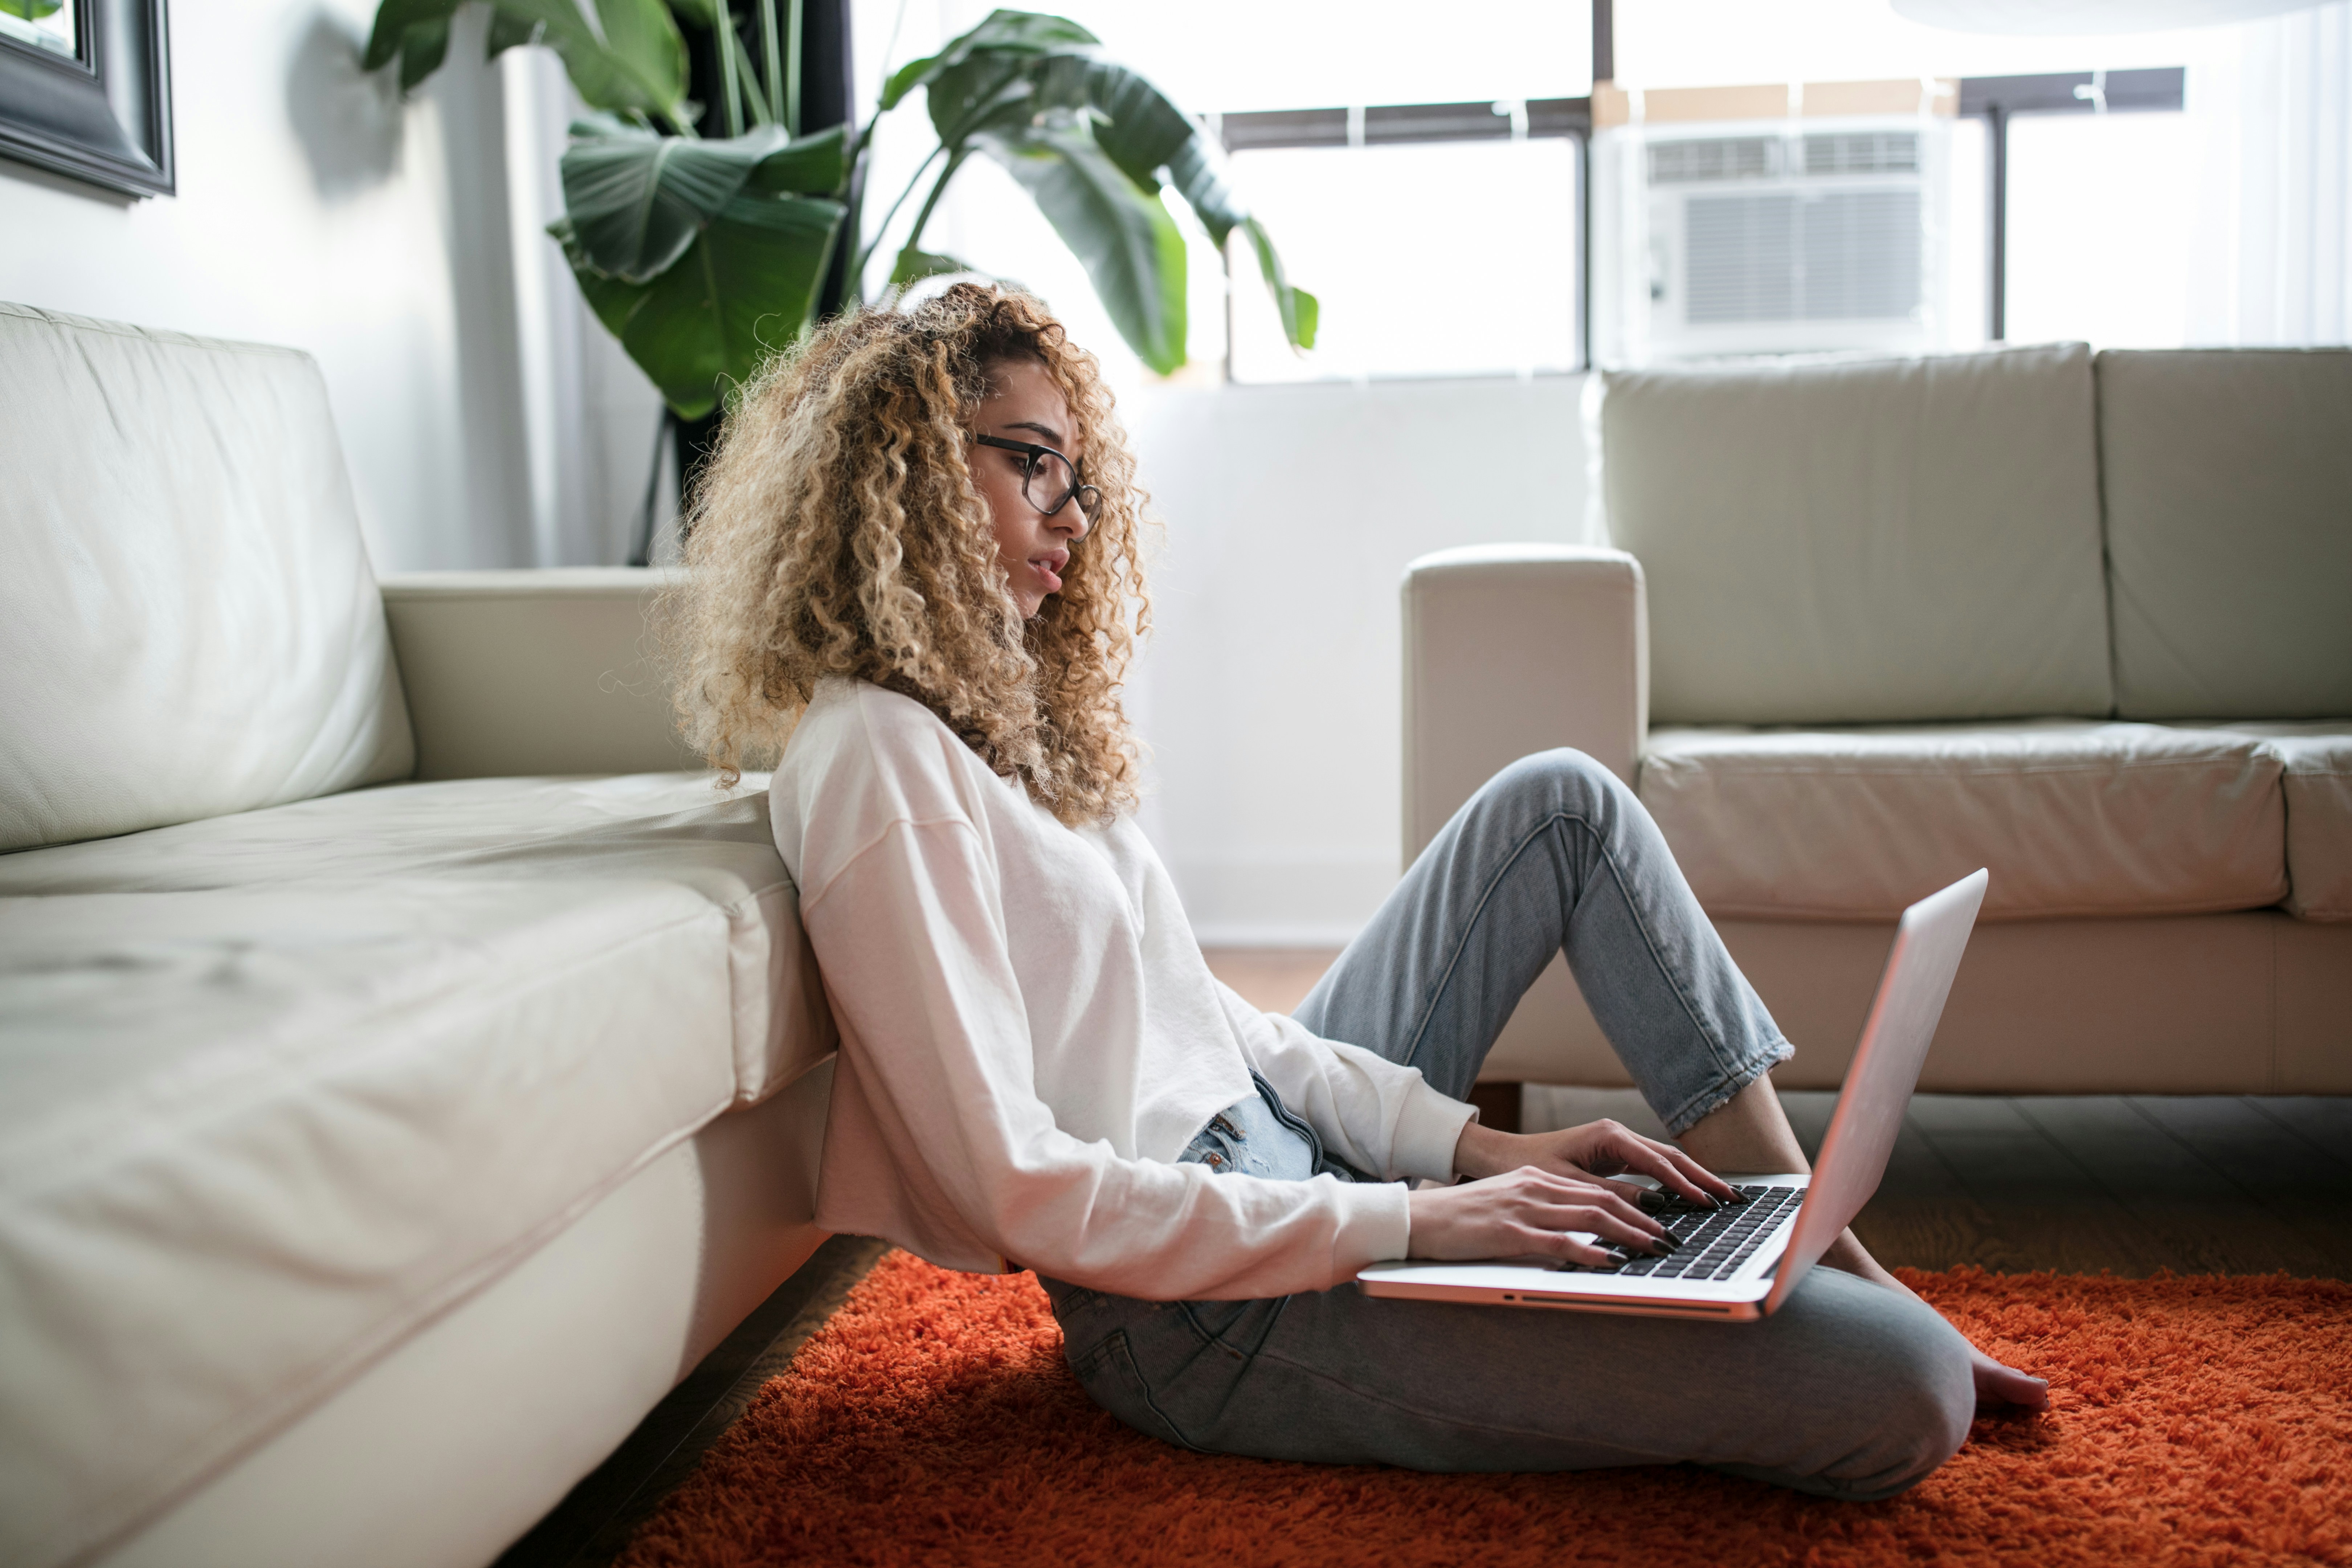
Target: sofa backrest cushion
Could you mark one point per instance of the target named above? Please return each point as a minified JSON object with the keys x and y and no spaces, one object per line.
{"x":188,"y":619}
{"x":2229,"y":491}
{"x":1855,"y":541}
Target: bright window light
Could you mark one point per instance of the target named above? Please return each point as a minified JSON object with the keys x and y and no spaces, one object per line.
{"x":1736,"y":43}
{"x":2101,"y":220}
{"x":1472,"y":270}
{"x":2109,"y":217}
{"x":1430,"y":259}
{"x":1222,"y":56}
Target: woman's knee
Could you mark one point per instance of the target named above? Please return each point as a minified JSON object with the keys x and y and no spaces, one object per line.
{"x":1918,"y":1397}
{"x":1874,"y":1386}
{"x":1561,"y":779}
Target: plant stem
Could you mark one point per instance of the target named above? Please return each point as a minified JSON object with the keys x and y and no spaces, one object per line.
{"x":770,"y":49}
{"x":734,"y":93}
{"x":955,"y":162}
{"x":747,"y":72}
{"x":857,"y":269}
{"x":791,"y":83}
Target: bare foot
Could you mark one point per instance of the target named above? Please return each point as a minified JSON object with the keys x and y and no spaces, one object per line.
{"x":1996,"y":1384}
{"x":1999,"y":1385}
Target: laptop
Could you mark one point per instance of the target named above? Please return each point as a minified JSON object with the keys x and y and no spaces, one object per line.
{"x":1740,"y":1262}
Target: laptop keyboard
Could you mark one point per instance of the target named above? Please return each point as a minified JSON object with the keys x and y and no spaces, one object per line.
{"x":1713,"y":1243}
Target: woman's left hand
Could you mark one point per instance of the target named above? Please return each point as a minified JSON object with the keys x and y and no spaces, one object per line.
{"x":1594,"y":1150}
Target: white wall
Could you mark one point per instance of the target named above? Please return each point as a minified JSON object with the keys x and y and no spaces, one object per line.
{"x":316,"y":211}
{"x":1269,"y":695}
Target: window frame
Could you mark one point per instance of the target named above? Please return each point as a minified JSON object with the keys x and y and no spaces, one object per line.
{"x":2156,"y":89}
{"x":1994,"y":99}
{"x":1373,"y":125}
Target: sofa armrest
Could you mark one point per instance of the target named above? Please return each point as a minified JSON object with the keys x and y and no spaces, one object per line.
{"x":532,"y":672}
{"x":1516,"y":649}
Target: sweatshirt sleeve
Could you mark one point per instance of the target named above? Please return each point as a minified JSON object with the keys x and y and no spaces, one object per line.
{"x":1376,"y":1114}
{"x":910,"y":933}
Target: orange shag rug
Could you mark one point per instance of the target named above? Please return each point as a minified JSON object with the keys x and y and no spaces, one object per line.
{"x":932,"y":1420}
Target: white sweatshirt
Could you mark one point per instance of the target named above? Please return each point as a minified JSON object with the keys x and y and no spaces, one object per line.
{"x":1029,"y":1037}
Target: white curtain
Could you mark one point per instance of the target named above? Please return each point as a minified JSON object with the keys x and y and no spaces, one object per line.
{"x":2275,"y":188}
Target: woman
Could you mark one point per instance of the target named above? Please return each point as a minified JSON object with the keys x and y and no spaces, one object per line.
{"x":915,"y":574}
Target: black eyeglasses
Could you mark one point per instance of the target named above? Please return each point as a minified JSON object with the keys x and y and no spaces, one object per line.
{"x":1048,"y":479}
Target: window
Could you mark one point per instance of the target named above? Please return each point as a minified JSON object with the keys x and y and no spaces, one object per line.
{"x":1421,"y":180}
{"x":1430,"y":259}
{"x":2051,"y":200}
{"x":2094,"y":177}
{"x":1746,"y":179}
{"x":2098,"y":229}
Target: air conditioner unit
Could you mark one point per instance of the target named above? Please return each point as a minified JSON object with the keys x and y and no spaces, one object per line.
{"x":1784,"y":237}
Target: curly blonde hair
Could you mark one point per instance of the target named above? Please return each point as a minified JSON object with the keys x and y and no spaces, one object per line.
{"x":838,"y":531}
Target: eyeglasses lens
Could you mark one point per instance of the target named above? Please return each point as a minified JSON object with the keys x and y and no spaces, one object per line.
{"x":1049,"y":484}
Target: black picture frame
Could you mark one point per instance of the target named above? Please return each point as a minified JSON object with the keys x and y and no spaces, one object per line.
{"x":104,"y":117}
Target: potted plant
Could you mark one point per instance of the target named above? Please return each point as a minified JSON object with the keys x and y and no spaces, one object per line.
{"x":704,"y":254}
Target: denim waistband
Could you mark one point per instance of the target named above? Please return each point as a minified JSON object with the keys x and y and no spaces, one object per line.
{"x":1261,"y":1136}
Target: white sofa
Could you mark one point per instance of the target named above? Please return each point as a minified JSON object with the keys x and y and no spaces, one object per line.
{"x":1869,"y":625}
{"x":387,"y":1120}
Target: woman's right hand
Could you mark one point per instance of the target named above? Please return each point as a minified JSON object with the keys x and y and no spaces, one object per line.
{"x":1528,"y":1212}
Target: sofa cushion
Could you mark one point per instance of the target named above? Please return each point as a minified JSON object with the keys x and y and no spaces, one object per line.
{"x":2228,"y":489}
{"x":188,"y":620}
{"x":1850,"y":541}
{"x":2072,"y":818}
{"x":2317,"y":757}
{"x":280,"y":1087}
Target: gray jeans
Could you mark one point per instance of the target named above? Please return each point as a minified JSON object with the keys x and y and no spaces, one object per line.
{"x":1849,"y":1391}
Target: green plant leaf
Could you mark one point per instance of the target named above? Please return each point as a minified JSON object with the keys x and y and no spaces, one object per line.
{"x":995,"y":95}
{"x":643,"y":34}
{"x":1300,"y":310}
{"x":1146,"y":133}
{"x":1130,"y":247}
{"x":1022,"y":33}
{"x":744,"y":289}
{"x":393,"y":18}
{"x":987,"y":93}
{"x":913,"y":266}
{"x":31,"y":10}
{"x":813,"y":165}
{"x":422,"y":48}
{"x":636,"y":200}
{"x":632,"y":58}
{"x":413,"y":32}
{"x":638,"y":63}
{"x":509,"y":32}
{"x":1141,"y":129}
{"x":611,"y":299}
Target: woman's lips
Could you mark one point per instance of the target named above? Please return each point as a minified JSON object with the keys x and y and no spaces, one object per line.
{"x":1050,"y":566}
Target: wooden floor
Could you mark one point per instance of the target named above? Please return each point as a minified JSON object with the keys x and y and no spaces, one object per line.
{"x":2221,"y":1184}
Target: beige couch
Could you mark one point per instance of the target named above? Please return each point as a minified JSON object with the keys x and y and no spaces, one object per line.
{"x":408,"y":1073}
{"x":1869,"y":625}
